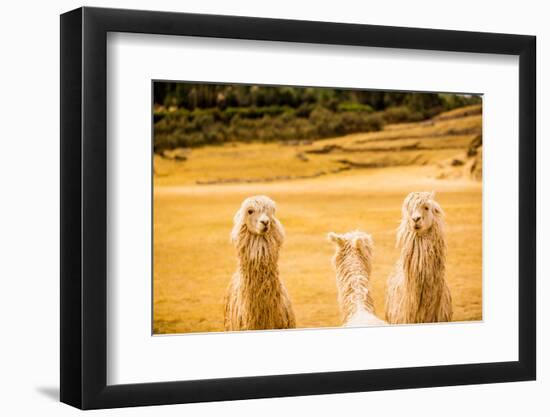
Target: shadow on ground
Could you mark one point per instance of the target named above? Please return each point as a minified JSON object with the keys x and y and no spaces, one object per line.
{"x":50,"y":392}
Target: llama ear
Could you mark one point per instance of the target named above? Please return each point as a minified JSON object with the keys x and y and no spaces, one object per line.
{"x":437,"y":208}
{"x":237,"y":224}
{"x":279,"y":229}
{"x":336,"y":238}
{"x":432,"y":195}
{"x":363,"y":244}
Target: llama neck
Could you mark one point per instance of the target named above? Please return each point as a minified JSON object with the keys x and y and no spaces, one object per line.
{"x":260,"y":291}
{"x":354,"y":287}
{"x":258,"y":273}
{"x":423,"y":260}
{"x":258,"y":264}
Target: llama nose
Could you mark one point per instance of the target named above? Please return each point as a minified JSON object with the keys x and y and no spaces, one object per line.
{"x":416,"y":218}
{"x":264,"y":222}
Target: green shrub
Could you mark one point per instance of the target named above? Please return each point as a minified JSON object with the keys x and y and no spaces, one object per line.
{"x":397,"y":114}
{"x":213,"y":126}
{"x":304,"y":110}
{"x":355,"y":107}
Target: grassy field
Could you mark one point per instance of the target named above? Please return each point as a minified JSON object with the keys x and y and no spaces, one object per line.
{"x":341,"y":184}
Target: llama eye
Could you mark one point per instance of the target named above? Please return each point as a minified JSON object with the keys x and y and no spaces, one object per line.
{"x":426,"y":208}
{"x":250,"y":211}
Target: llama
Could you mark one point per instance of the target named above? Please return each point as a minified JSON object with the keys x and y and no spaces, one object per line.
{"x":353,"y":264}
{"x":417,"y":291}
{"x":256,"y":298}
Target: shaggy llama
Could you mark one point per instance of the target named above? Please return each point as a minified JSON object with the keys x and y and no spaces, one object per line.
{"x":353,"y":264}
{"x":256,"y":298}
{"x":417,"y":291}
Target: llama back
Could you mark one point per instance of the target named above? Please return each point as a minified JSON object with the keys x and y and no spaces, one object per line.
{"x":353,"y":264}
{"x":363,"y":318}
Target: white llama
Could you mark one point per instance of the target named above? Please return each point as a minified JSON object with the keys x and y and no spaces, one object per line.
{"x":417,"y":290}
{"x":256,"y":298}
{"x":353,"y":264}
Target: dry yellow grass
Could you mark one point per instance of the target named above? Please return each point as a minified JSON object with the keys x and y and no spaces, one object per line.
{"x":194,"y":260}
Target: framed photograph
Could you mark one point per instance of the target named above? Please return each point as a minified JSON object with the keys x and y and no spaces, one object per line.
{"x":257,"y":208}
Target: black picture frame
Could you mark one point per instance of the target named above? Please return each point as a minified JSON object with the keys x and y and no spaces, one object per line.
{"x":84,"y":207}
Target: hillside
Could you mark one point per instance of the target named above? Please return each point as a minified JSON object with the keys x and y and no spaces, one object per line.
{"x":442,"y":141}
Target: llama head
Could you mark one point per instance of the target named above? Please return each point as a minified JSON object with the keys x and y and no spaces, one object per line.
{"x":420,"y":213}
{"x":256,"y":217}
{"x":352,"y":247}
